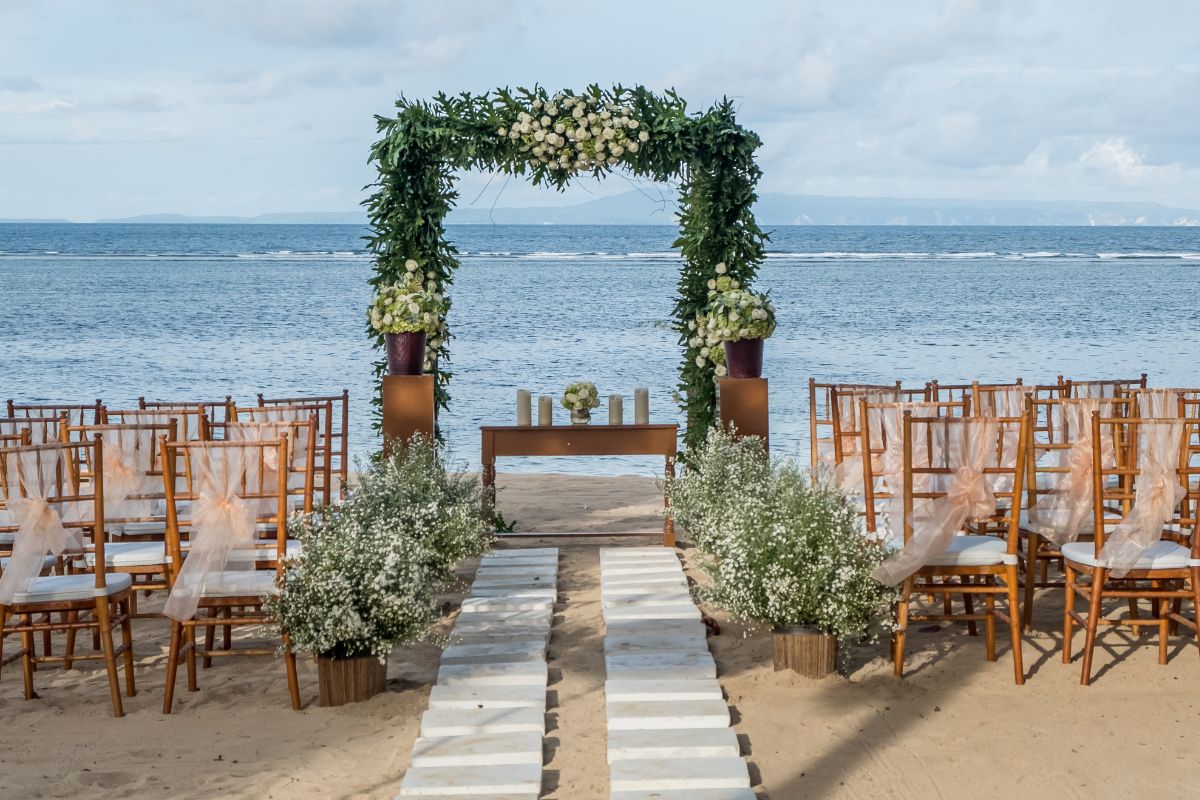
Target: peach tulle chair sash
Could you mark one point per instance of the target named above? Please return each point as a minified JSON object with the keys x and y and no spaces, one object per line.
{"x":274,"y":414}
{"x":222,"y":527}
{"x":1062,"y":511}
{"x":968,"y":447}
{"x":1157,"y":492}
{"x":890,"y":419}
{"x":849,"y":473}
{"x":32,"y":479}
{"x":127,"y":461}
{"x":1162,"y":403}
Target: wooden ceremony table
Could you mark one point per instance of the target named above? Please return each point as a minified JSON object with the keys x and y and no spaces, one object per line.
{"x":582,"y":440}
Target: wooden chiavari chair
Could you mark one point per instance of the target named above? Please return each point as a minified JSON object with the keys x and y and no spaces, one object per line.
{"x":76,"y":413}
{"x":338,"y":424}
{"x":1153,"y":478}
{"x":820,"y":416}
{"x":1058,"y":466}
{"x":191,"y":422}
{"x":74,"y":513}
{"x":844,"y":401}
{"x":235,"y":475}
{"x":217,"y":411}
{"x":42,"y":430}
{"x":1102,"y":388}
{"x":325,"y":451}
{"x":882,"y":439}
{"x":955,"y":471}
{"x":136,"y":520}
{"x":998,"y":399}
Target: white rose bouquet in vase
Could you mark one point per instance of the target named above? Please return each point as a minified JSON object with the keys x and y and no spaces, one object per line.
{"x":736,"y":321}
{"x":411,"y":317}
{"x":580,"y":398}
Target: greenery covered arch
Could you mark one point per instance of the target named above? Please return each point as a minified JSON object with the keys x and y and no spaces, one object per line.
{"x":555,"y":139}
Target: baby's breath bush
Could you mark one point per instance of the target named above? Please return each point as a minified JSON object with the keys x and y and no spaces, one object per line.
{"x":782,"y":548}
{"x":370,"y":570}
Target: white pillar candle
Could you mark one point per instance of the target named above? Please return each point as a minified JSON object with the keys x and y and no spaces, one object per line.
{"x":545,"y":411}
{"x":524,"y":408}
{"x":616,"y":410}
{"x":641,"y":406}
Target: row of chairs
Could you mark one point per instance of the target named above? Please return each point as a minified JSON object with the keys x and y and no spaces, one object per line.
{"x":987,"y":488}
{"x":174,"y":501}
{"x":202,"y":421}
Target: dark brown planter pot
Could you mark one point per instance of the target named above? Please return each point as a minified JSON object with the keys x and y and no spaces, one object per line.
{"x":350,"y":680}
{"x":406,"y":353}
{"x":805,"y":650}
{"x":743,"y":358}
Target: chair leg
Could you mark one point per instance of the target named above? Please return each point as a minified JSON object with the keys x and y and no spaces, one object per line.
{"x":969,"y":607}
{"x":127,"y":643}
{"x":1031,"y":570}
{"x":227,"y":637}
{"x":209,"y":631}
{"x":172,"y":665}
{"x":69,"y":652}
{"x":1068,"y":608}
{"x":1195,"y":605}
{"x":289,"y":660}
{"x":1164,"y":624}
{"x":1094,"y":609}
{"x":27,"y":658}
{"x":989,"y":604}
{"x":104,"y":622}
{"x":1014,"y":615}
{"x":898,"y":637}
{"x":189,"y":633}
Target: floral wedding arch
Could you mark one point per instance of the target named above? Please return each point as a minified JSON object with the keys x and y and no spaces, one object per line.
{"x":554,"y":139}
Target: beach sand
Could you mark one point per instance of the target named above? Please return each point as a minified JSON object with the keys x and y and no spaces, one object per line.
{"x":955,"y":727}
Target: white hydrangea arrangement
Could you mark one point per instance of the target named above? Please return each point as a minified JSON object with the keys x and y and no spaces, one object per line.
{"x":412,"y":305}
{"x":581,"y":396}
{"x":782,"y":548}
{"x":572,"y":132}
{"x":732,"y":313}
{"x":370,"y":570}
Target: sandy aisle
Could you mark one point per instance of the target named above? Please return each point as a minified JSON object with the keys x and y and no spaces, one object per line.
{"x":956,"y":727}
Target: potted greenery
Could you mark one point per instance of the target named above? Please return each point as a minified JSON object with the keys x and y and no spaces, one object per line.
{"x":369,"y":571}
{"x":411,"y":316}
{"x":581,"y":398}
{"x":783,"y":549}
{"x":737,"y":321}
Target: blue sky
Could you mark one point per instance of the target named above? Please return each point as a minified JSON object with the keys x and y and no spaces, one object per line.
{"x":118,"y":107}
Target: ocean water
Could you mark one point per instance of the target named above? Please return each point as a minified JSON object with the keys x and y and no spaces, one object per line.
{"x":200,"y":311}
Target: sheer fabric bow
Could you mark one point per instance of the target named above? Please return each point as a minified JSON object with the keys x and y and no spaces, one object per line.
{"x":40,"y":529}
{"x":968,"y":446}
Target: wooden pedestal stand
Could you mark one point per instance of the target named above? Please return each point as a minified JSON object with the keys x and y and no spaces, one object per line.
{"x":407,"y":408}
{"x":743,"y":405}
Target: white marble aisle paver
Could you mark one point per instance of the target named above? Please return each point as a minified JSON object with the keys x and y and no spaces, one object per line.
{"x":481,"y":738}
{"x":669,"y":734}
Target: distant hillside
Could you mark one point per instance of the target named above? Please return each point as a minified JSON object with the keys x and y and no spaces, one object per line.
{"x":298,"y":218}
{"x":655,"y":207}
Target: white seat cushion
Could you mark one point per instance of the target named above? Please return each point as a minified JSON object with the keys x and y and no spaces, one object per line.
{"x":58,"y":588}
{"x":47,"y":562}
{"x":1087,"y":529}
{"x":132,"y":554}
{"x":154,"y":528}
{"x":240,"y":582}
{"x":973,"y":551}
{"x":1160,"y":555}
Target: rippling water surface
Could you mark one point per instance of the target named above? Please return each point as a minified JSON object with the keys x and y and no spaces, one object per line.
{"x":201,"y":311}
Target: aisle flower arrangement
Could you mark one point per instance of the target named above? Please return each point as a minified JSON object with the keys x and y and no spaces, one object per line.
{"x":370,"y":570}
{"x":783,"y":548}
{"x":412,"y":305}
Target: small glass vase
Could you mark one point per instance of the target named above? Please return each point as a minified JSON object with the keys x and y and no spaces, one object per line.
{"x":581,"y":416}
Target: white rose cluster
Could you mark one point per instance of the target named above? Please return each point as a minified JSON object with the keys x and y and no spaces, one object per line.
{"x":576,"y":132}
{"x":717,"y":324}
{"x":581,"y":396}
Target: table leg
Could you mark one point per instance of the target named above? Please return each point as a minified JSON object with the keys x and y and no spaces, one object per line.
{"x":489,"y":480}
{"x":668,"y":523}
